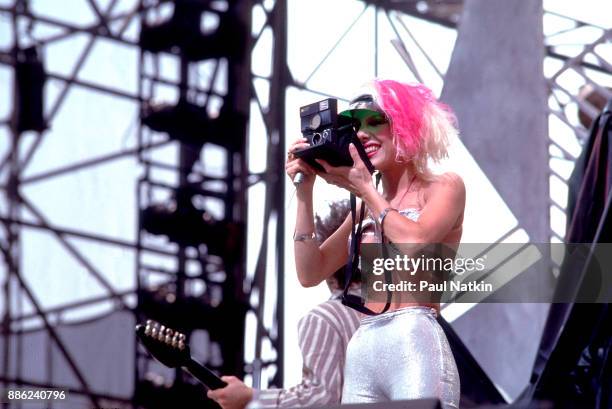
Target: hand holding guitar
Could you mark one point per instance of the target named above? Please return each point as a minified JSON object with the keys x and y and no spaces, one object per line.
{"x":171,"y":349}
{"x":236,"y":395}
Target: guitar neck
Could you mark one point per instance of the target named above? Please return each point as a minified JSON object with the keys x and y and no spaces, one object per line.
{"x":203,"y":374}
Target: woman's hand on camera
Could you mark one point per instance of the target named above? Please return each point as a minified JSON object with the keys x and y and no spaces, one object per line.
{"x":295,"y":165}
{"x":356,"y":179}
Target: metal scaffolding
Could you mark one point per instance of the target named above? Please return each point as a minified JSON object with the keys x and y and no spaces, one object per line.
{"x":160,"y":176}
{"x":226,"y":282}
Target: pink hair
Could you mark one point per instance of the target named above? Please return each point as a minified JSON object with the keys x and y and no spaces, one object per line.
{"x":420,"y":124}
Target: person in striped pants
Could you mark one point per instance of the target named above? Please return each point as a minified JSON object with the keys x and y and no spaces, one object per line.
{"x":323,"y":335}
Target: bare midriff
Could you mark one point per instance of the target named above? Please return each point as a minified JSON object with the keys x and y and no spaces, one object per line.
{"x":402,"y":299}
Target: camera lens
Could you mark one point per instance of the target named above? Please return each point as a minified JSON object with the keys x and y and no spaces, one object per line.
{"x":316,"y":138}
{"x":327,"y":135}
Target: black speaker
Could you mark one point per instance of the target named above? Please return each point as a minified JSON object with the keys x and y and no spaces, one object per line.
{"x":28,"y":108}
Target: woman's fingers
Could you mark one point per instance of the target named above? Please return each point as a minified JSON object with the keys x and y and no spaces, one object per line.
{"x":357,"y":161}
{"x":305,"y":167}
{"x":308,"y":168}
{"x":298,"y":165}
{"x":330,"y":181}
{"x":342,"y":176}
{"x":333,"y":179}
{"x":326,"y":167}
{"x":338,"y":172}
{"x":298,"y":144}
{"x":296,"y":148}
{"x":293,"y":168}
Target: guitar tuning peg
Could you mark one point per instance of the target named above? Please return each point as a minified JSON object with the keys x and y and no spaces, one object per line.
{"x":148,"y":328}
{"x":161,"y":333}
{"x":181,"y":341}
{"x":153,"y":331}
{"x":175,"y":339}
{"x":169,"y":334}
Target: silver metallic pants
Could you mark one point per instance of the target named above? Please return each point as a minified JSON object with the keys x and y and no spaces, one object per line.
{"x":399,"y":355}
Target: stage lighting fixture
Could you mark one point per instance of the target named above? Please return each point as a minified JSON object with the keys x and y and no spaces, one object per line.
{"x":184,"y":224}
{"x":189,"y":123}
{"x":184,"y":313}
{"x":28,"y":111}
{"x":182,"y":33}
{"x":188,"y":313}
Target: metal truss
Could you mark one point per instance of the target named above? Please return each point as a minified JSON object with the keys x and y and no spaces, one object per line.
{"x":189,"y":173}
{"x":582,"y":54}
{"x":586,"y":59}
{"x":269,"y":97}
{"x":114,"y":26}
{"x":14,"y":164}
{"x":270,"y":105}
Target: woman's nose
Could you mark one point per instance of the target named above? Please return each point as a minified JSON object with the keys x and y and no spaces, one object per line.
{"x":362,"y":136}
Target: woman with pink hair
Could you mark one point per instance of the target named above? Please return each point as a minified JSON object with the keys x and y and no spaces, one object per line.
{"x":401,"y":353}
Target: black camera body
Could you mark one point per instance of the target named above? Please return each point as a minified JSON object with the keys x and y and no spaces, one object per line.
{"x":329,"y":135}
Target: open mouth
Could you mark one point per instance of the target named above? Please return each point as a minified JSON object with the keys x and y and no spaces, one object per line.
{"x":371,"y":149}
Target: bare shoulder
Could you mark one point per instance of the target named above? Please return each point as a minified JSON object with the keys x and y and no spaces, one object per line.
{"x":449,"y":182}
{"x":446,"y":196}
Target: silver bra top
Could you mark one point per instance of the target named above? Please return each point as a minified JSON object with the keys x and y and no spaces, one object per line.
{"x":371,"y":227}
{"x":411,"y":213}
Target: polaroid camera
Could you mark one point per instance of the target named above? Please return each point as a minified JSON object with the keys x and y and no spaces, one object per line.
{"x":329,"y":135}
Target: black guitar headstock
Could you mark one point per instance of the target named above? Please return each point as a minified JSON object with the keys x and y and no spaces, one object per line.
{"x":165,"y":344}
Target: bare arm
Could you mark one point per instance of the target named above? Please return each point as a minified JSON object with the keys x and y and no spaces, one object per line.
{"x":313,"y":263}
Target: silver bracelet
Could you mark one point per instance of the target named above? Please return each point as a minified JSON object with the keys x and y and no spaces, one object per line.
{"x":304,"y":236}
{"x":383,"y":214}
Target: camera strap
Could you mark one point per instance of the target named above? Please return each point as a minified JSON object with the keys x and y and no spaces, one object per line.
{"x":350,"y":300}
